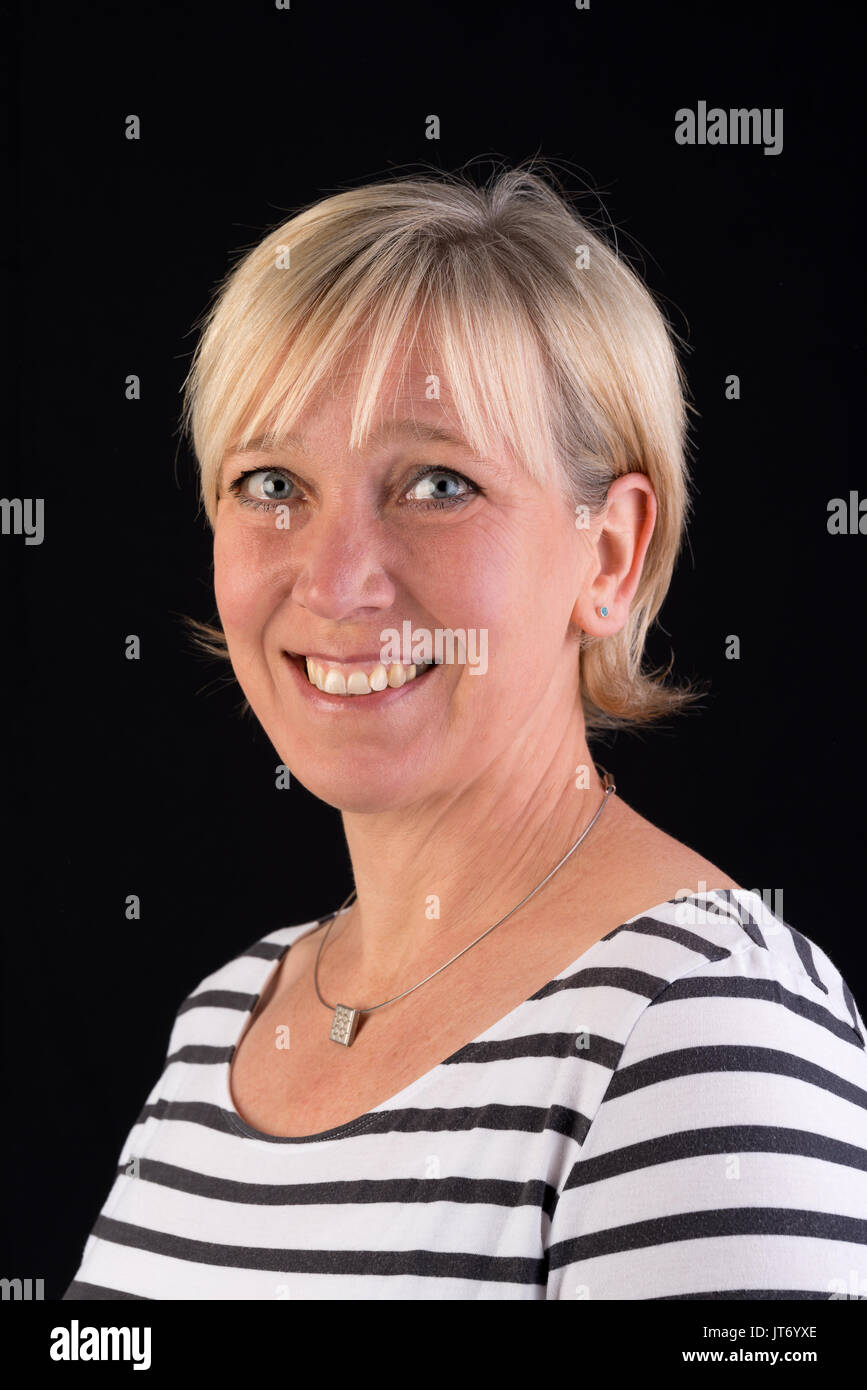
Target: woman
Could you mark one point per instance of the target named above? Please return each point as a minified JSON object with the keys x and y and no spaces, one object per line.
{"x":548,"y":1051}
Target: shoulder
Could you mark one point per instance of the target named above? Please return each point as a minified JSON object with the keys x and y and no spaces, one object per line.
{"x":746,"y":1008}
{"x":235,"y":986}
{"x":647,"y":855}
{"x":733,"y":944}
{"x":246,"y":966}
{"x":727,"y":1156}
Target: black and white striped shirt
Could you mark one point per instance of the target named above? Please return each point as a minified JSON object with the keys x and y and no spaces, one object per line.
{"x":681,"y":1113}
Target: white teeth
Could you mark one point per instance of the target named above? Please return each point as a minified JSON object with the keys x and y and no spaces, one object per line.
{"x":334,"y":682}
{"x":379,"y":678}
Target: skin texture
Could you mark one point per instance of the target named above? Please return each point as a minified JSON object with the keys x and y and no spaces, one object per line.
{"x":466,"y":790}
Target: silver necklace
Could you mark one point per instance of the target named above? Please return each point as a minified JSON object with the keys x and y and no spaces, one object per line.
{"x":346,"y":1020}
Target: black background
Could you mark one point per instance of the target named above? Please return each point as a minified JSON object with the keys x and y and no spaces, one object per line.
{"x":138,"y":777}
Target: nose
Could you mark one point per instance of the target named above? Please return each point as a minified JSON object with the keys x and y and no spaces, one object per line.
{"x":340,"y":555}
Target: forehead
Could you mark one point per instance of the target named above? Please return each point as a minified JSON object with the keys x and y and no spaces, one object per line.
{"x":408,"y":404}
{"x":392,"y":430}
{"x":413,"y":405}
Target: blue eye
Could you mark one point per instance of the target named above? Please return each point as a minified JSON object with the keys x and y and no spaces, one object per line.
{"x":276,"y":484}
{"x":275,"y":477}
{"x":440,"y":498}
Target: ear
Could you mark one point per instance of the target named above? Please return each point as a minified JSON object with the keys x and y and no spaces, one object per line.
{"x":617,"y":547}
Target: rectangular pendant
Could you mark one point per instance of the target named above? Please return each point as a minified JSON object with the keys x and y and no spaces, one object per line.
{"x":344,"y":1025}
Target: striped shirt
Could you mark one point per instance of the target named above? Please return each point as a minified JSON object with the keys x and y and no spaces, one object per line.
{"x":680,"y":1113}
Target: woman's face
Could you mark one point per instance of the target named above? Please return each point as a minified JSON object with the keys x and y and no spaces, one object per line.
{"x":369,"y":541}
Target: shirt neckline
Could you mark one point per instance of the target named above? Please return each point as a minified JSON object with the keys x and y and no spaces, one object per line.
{"x":398,"y":1100}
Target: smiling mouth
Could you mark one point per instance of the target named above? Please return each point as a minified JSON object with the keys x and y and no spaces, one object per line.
{"x":364,"y":679}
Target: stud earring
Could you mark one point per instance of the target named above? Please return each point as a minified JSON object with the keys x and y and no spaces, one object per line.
{"x":603,"y":612}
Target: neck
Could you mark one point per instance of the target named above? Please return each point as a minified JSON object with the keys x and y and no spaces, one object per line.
{"x":430,"y":878}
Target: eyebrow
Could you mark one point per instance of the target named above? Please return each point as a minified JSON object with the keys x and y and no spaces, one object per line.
{"x":393,"y":429}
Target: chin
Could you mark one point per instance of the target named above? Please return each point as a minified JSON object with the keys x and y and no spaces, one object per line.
{"x":353,"y":778}
{"x":347,"y":793}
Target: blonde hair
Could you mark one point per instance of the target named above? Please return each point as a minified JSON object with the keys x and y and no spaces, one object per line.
{"x":549,"y":342}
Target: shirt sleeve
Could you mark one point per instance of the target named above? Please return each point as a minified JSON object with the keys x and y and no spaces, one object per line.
{"x":728,"y":1158}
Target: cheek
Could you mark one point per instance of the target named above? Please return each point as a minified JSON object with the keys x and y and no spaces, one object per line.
{"x":240,"y":586}
{"x":469,"y":587}
{"x":511,"y":587}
